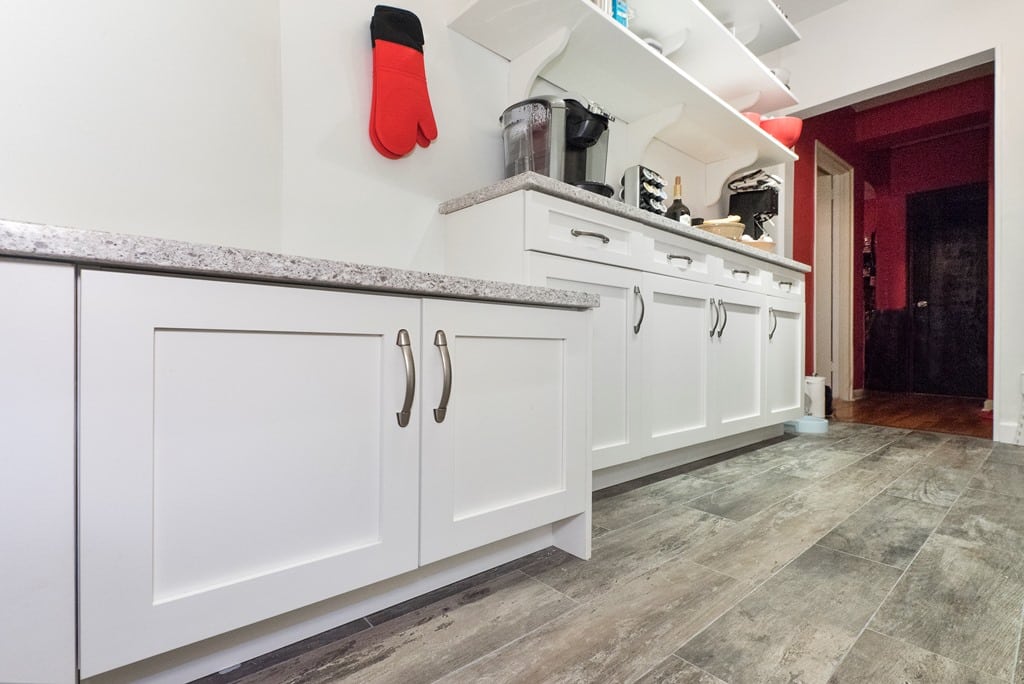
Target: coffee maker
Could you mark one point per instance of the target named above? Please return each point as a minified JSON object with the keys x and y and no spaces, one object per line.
{"x":565,"y":138}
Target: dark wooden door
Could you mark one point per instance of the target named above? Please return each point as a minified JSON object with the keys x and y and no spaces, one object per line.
{"x":947,"y":246}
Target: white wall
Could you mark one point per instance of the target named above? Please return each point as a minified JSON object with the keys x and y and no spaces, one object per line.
{"x":866,"y":47}
{"x":159,"y":118}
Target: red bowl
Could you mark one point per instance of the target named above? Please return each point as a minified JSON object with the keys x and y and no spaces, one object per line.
{"x":785,"y":129}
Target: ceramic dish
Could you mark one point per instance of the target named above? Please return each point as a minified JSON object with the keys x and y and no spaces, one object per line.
{"x":726,"y":230}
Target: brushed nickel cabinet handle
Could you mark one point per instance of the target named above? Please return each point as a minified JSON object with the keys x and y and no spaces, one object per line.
{"x":643,"y":309}
{"x":441,"y":342}
{"x":714,"y":326}
{"x":688,"y":260}
{"x":589,"y":233}
{"x":775,"y":322}
{"x":725,"y":317}
{"x":410,"y":377}
{"x":788,"y":284}
{"x":740,"y":271}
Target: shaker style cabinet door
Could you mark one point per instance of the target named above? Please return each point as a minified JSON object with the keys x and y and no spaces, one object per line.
{"x":616,"y":389}
{"x":240,"y":455}
{"x":676,"y":350}
{"x":737,"y":360}
{"x":37,"y":472}
{"x":505,"y":441}
{"x":785,"y":359}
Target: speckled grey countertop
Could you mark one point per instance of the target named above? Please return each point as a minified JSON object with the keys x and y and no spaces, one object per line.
{"x":95,"y":248}
{"x":555,"y":188}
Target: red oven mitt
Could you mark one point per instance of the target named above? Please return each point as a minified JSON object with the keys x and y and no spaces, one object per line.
{"x":400,"y":112}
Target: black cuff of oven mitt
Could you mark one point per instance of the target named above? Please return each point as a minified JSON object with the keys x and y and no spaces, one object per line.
{"x":396,"y":25}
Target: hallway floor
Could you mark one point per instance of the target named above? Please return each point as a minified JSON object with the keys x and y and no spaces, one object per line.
{"x":956,"y":415}
{"x":870,"y":554}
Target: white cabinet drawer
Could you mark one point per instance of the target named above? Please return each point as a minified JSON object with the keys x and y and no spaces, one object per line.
{"x":745,"y":274}
{"x":681,"y":258}
{"x":783,"y":283}
{"x":559,"y":227}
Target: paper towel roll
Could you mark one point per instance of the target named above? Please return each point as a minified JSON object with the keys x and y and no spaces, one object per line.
{"x":814,"y":396}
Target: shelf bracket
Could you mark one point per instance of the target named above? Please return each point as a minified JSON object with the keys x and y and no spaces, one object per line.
{"x":638,"y":135}
{"x":718,"y":173}
{"x":524,"y":69}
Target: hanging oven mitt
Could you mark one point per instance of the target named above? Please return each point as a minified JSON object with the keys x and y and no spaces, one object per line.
{"x":400,"y":112}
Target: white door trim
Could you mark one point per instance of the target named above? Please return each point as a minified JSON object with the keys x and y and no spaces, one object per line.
{"x":842,"y":266}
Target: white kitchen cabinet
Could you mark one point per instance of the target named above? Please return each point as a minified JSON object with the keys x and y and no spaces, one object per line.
{"x":247,"y":449}
{"x":37,"y":472}
{"x":502,"y":437}
{"x":785,"y":358}
{"x":676,"y":355}
{"x":240,"y":456}
{"x":737,"y":359}
{"x":615,"y":372}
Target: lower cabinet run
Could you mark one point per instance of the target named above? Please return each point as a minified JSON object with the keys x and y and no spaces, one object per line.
{"x":246,"y":450}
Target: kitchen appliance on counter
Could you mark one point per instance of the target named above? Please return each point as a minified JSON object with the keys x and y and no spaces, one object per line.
{"x":755,"y":200}
{"x":565,"y":138}
{"x":644,"y":188}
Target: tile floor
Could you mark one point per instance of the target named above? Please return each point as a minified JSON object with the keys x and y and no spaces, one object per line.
{"x":871,"y":554}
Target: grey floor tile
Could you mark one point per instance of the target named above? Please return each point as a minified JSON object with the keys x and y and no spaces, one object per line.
{"x":891,"y":461}
{"x":1007,"y":453}
{"x":868,"y":441}
{"x":429,"y":642}
{"x":614,"y":512}
{"x":930,"y":483}
{"x":886,"y":529}
{"x":760,"y":545}
{"x":963,"y":453}
{"x":738,"y":468}
{"x":596,"y":531}
{"x":624,"y":554}
{"x":742,"y":499}
{"x":617,"y":638}
{"x":961,"y":599}
{"x":988,"y":518}
{"x":877,"y":659}
{"x":921,"y":440}
{"x":1000,"y":477}
{"x":818,"y":463}
{"x":675,"y":670}
{"x":798,"y":625}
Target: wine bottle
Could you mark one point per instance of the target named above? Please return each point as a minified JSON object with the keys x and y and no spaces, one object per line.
{"x":677,"y":210}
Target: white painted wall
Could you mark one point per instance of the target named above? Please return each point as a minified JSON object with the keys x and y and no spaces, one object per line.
{"x":158,"y":118}
{"x":863,"y":48}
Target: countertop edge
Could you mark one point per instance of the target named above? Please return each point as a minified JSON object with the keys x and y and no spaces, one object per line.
{"x":165,"y":256}
{"x":549,"y":186}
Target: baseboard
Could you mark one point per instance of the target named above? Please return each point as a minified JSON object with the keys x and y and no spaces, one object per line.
{"x":859,"y":394}
{"x":608,"y":477}
{"x":988,"y":405}
{"x":1005,"y":432}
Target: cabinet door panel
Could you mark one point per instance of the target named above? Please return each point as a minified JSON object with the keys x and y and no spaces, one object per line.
{"x":615,"y":352}
{"x":675,"y":351}
{"x":785,"y":359}
{"x":239,"y":456}
{"x":511,"y":453}
{"x":738,"y":356}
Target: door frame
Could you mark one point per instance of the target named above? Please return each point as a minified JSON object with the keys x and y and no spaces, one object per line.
{"x":840,"y":308}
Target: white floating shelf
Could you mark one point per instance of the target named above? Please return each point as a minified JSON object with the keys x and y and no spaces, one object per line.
{"x":711,"y":54}
{"x":612,"y":66}
{"x":765,"y":24}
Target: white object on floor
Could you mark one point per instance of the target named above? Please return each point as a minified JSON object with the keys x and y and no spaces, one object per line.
{"x":814,"y":396}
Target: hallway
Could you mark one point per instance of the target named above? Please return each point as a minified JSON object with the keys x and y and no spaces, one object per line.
{"x":956,"y":415}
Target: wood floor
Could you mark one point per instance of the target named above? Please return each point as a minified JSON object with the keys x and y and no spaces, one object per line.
{"x":956,"y":415}
{"x":870,"y":554}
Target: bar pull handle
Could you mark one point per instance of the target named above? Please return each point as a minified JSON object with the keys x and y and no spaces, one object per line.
{"x":589,"y":233}
{"x":688,"y":260}
{"x":441,"y":342}
{"x":788,"y":284}
{"x":725,"y":317}
{"x":714,"y":326}
{"x":775,"y":322}
{"x":741,"y":272}
{"x":643,"y":309}
{"x":410,"y":377}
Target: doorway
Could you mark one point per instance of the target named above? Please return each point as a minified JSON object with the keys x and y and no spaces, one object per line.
{"x":833,"y":272}
{"x":947,"y":244}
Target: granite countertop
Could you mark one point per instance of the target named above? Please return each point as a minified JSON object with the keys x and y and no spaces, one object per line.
{"x":96,"y":248}
{"x":549,"y":186}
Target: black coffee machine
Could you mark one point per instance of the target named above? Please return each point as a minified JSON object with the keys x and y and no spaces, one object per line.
{"x":755,"y":201}
{"x":562,"y":137}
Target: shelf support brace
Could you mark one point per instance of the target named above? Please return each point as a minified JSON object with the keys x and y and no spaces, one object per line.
{"x":524,"y":69}
{"x":639,"y":134}
{"x":718,"y":173}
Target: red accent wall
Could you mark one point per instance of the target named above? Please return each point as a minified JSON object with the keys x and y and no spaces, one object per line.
{"x":931,"y":141}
